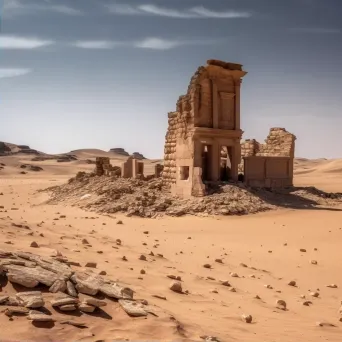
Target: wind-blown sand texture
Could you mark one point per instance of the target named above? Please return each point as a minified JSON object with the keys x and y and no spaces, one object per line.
{"x":229,"y":265}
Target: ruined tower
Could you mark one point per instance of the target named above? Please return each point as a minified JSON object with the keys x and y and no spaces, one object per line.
{"x":202,"y":143}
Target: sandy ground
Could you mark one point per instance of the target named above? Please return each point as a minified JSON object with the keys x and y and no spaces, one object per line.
{"x":268,"y":243}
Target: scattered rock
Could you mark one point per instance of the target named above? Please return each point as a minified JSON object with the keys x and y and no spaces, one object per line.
{"x":71,"y":289}
{"x":142,"y":257}
{"x":332,"y":286}
{"x":58,"y":286}
{"x":132,"y":308}
{"x":313,"y":262}
{"x":64,"y":300}
{"x":302,"y":250}
{"x":37,"y":316}
{"x":307,"y":303}
{"x":34,"y":244}
{"x":314,"y":294}
{"x":94,"y":302}
{"x":68,"y":307}
{"x":176,"y":286}
{"x":16,"y":310}
{"x":119,"y":222}
{"x":292,"y":283}
{"x":281,"y":304}
{"x":247,"y":318}
{"x":31,"y":299}
{"x":207,"y":266}
{"x":219,"y":261}
{"x":91,"y":264}
{"x":86,"y":308}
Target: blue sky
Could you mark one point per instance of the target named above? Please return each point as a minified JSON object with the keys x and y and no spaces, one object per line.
{"x":104,"y":73}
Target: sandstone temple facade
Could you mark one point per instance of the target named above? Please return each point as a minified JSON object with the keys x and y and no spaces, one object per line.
{"x":203,"y":140}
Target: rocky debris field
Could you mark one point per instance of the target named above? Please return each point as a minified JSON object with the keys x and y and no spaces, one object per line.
{"x":150,"y":198}
{"x":67,"y":290}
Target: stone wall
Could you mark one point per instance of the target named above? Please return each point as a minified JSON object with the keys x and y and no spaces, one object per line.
{"x":279,"y":143}
{"x":178,"y":132}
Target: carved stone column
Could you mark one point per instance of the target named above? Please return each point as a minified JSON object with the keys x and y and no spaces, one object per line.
{"x":237,"y":103}
{"x":215,"y":105}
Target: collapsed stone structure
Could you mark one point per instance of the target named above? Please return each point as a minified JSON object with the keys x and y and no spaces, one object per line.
{"x":269,"y":164}
{"x":202,"y":143}
{"x":131,"y":168}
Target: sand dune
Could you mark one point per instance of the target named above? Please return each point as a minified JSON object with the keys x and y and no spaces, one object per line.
{"x":257,"y":255}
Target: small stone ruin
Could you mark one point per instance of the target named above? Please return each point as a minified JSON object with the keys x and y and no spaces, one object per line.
{"x":131,"y":168}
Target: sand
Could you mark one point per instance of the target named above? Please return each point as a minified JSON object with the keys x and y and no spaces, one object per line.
{"x":267,"y":243}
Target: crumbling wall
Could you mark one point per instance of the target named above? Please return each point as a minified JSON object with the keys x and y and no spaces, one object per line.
{"x":180,"y":126}
{"x":279,"y":143}
{"x":249,"y":147}
{"x":104,"y":167}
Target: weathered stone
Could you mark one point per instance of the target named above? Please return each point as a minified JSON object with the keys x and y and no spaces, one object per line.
{"x":133,"y":308}
{"x":116,"y":291}
{"x":64,"y":300}
{"x":94,"y":302}
{"x":16,"y":310}
{"x":247,"y":318}
{"x":68,"y":307}
{"x":281,"y":304}
{"x":71,"y":289}
{"x":3,"y":299}
{"x":32,"y":299}
{"x":74,"y":323}
{"x":58,"y":286}
{"x":176,"y":286}
{"x":37,"y":316}
{"x":86,"y":308}
{"x":30,"y":277}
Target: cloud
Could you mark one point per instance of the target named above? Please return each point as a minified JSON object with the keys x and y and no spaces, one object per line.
{"x":198,"y":12}
{"x":152,"y":43}
{"x":19,"y":7}
{"x":317,"y":30}
{"x":96,"y":44}
{"x":18,"y":43}
{"x":7,"y":72}
{"x":158,"y":44}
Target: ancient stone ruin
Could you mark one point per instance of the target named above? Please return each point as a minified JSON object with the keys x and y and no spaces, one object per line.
{"x":131,"y":168}
{"x":269,"y":164}
{"x":202,"y":143}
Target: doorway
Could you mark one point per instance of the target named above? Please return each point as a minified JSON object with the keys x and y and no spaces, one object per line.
{"x":226,"y":163}
{"x":206,"y":162}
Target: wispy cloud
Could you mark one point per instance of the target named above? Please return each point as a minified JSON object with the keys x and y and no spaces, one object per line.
{"x":152,"y":43}
{"x":20,"y":7}
{"x":22,"y":43}
{"x":317,"y":30}
{"x":96,"y":44}
{"x":15,"y":72}
{"x":198,"y":12}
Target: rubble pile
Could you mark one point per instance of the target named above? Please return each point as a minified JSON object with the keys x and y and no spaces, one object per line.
{"x":71,"y":291}
{"x":151,"y":198}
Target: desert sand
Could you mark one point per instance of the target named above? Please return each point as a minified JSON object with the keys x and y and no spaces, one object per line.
{"x":258,"y":255}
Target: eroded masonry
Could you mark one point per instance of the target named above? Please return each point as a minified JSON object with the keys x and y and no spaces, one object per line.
{"x":203,"y":140}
